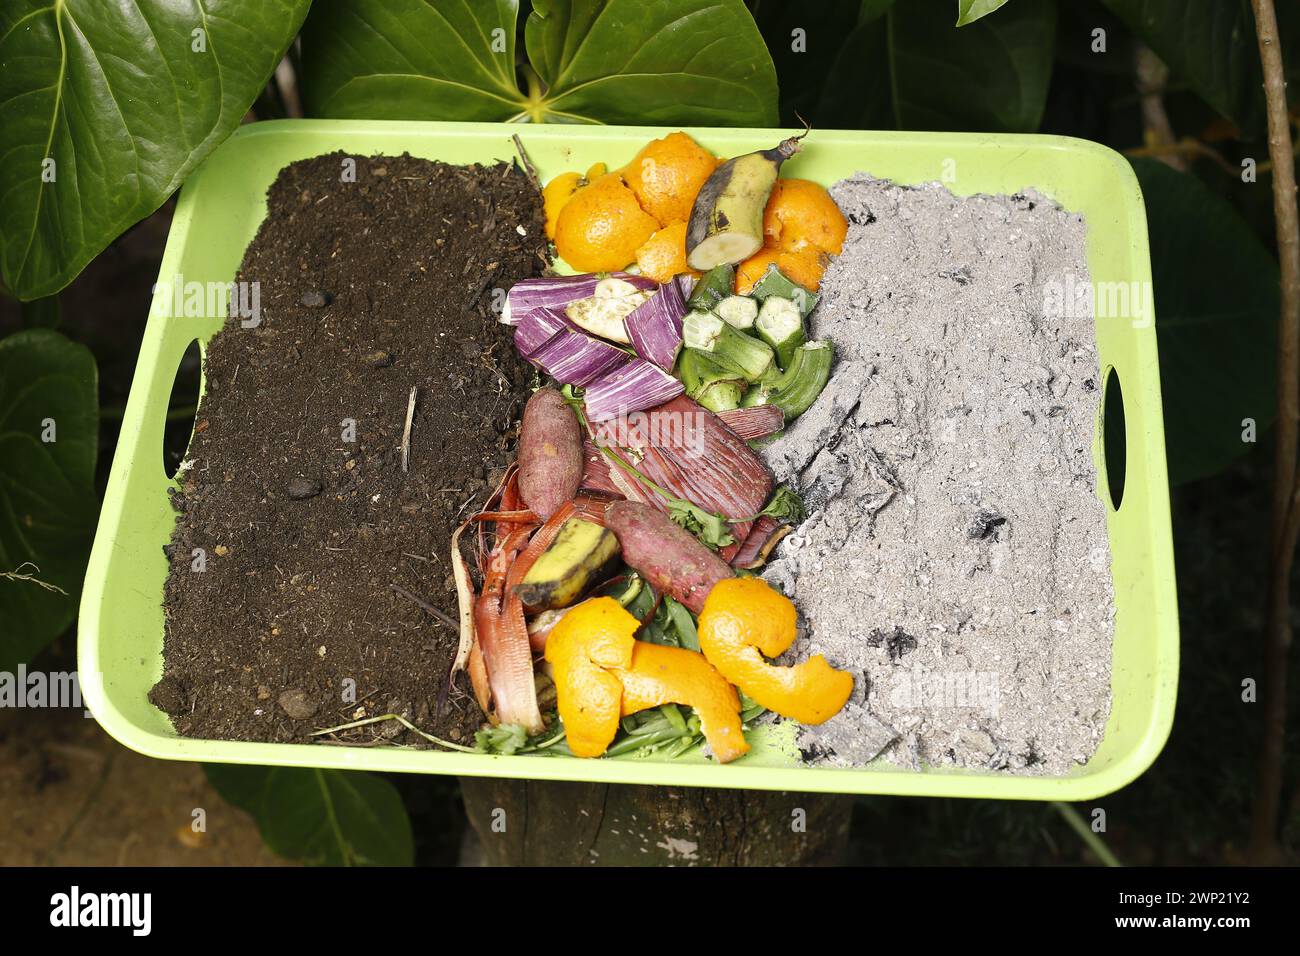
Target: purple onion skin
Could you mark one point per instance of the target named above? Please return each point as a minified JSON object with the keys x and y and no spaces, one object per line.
{"x":575,"y":358}
{"x":537,"y":329}
{"x":555,"y":292}
{"x":635,"y":387}
{"x":655,"y":326}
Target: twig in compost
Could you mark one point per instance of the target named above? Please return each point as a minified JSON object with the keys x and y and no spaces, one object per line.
{"x":406,"y":430}
{"x":401,"y":720}
{"x":531,"y":748}
{"x":529,"y":168}
{"x":426,"y":605}
{"x":1286,"y":493}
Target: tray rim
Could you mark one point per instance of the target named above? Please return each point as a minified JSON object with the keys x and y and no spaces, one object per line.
{"x":885,"y":779}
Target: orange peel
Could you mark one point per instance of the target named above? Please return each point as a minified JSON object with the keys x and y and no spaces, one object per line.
{"x":663,"y":255}
{"x":591,"y":638}
{"x":801,"y":215}
{"x":561,"y":189}
{"x":602,"y":672}
{"x":745,"y":620}
{"x":672,"y":675}
{"x":600,"y":227}
{"x":804,"y":267}
{"x":556,"y":193}
{"x":666,"y":175}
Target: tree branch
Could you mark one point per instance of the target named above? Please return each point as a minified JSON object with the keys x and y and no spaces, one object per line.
{"x":1158,"y":132}
{"x":1286,"y":494}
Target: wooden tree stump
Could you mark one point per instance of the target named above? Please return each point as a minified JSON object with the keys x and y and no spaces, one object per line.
{"x":532,"y":823}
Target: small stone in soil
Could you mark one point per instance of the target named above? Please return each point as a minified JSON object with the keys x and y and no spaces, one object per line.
{"x":378,"y":359}
{"x":315,"y":299}
{"x":303,"y":488}
{"x":296,"y":704}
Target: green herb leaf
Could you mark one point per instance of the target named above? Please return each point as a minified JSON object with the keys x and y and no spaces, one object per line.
{"x":671,"y":62}
{"x":712,"y":529}
{"x":107,"y":107}
{"x":659,"y":629}
{"x":322,"y":817}
{"x":642,"y":603}
{"x":1218,"y":340}
{"x":687,"y":635}
{"x":786,"y":505}
{"x":674,"y":717}
{"x":501,"y":739}
{"x":49,"y":435}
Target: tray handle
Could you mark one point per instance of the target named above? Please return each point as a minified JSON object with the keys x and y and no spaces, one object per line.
{"x":1114,"y":438}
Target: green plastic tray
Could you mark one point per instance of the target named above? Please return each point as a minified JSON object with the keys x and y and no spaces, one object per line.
{"x":220,"y":209}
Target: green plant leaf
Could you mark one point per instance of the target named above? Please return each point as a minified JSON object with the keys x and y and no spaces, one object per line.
{"x":49,"y":433}
{"x":863,"y":65}
{"x":968,"y":11}
{"x":804,"y":38}
{"x":322,"y":817}
{"x":1218,"y":338}
{"x":907,"y":66}
{"x":412,"y":59}
{"x":107,"y":107}
{"x":1210,"y":45}
{"x":990,"y":75}
{"x":671,"y":62}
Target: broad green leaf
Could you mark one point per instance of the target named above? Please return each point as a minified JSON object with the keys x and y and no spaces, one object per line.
{"x":862,"y":66}
{"x":239,"y":785}
{"x":990,"y":75}
{"x":1210,"y":45}
{"x":670,"y":62}
{"x":907,"y":66}
{"x":322,"y":817}
{"x":968,"y":11}
{"x":804,"y":39}
{"x":107,"y":107}
{"x":412,"y":59}
{"x":49,"y":433}
{"x":1217,"y":306}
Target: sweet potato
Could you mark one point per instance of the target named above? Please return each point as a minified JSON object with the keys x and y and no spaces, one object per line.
{"x":550,"y":453}
{"x":667,"y":555}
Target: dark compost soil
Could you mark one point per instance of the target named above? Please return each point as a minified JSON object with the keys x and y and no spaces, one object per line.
{"x":368,"y":289}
